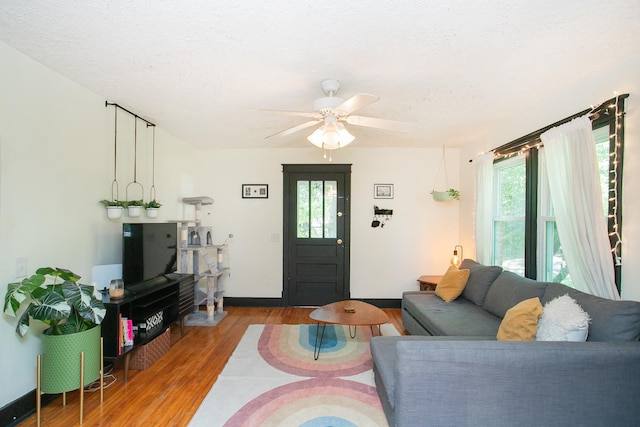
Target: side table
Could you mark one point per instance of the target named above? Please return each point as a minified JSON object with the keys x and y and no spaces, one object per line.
{"x":429,"y":283}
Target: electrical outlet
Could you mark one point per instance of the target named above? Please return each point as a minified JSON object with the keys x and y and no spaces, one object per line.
{"x":21,"y":267}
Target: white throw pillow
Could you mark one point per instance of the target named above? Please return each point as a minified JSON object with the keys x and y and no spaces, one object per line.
{"x":563,"y":320}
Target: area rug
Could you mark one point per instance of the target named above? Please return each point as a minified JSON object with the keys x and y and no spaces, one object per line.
{"x":272,"y":379}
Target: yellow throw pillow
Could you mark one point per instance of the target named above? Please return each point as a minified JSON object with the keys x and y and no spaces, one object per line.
{"x":452,"y":284}
{"x":520,"y":322}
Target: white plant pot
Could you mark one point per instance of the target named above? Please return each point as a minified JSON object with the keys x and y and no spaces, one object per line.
{"x":441,"y":196}
{"x":114,"y":212}
{"x":134,"y":211}
{"x":153,"y":212}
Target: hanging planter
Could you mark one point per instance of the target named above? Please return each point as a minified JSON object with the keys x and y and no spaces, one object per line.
{"x":153,"y":206}
{"x":135,"y":206}
{"x":444,"y":195}
{"x":114,"y":206}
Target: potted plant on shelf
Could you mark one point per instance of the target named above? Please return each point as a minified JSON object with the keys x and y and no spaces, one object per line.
{"x":134,"y":208}
{"x":73,"y":313}
{"x":445,"y":196}
{"x":152,"y":207}
{"x":114,"y":208}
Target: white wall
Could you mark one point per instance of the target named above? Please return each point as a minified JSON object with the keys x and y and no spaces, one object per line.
{"x":56,"y":163}
{"x":620,"y":78}
{"x":384,"y":261}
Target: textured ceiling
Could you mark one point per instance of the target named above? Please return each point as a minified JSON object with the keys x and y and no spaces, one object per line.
{"x":201,"y":69}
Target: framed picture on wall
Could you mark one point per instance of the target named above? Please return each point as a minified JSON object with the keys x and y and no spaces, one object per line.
{"x":383,"y":191}
{"x":255,"y":191}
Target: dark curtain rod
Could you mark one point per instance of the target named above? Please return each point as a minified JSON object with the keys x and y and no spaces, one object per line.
{"x":107,"y":103}
{"x":534,"y":137}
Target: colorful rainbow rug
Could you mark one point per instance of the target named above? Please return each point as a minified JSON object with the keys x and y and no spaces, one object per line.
{"x":271,"y":379}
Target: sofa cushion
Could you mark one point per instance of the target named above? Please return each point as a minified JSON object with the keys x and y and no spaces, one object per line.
{"x":520,"y":322}
{"x":563,"y":320}
{"x":610,"y":320}
{"x":480,"y":279}
{"x":508,"y":290}
{"x":452,"y":284}
{"x":456,"y":318}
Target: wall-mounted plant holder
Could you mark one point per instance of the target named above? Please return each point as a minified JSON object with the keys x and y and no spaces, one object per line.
{"x":381,"y":216}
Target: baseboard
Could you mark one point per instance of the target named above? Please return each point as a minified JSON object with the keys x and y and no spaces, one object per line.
{"x":252,"y":302}
{"x":384,"y":302}
{"x":277,"y":302}
{"x":22,"y":408}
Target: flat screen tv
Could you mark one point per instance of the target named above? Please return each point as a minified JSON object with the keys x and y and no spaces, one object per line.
{"x":149,"y":250}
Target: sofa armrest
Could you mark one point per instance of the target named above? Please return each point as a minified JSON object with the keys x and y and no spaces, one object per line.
{"x":449,"y":382}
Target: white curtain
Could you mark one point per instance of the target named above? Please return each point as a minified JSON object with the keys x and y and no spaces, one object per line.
{"x":484,"y":208}
{"x":574,"y":186}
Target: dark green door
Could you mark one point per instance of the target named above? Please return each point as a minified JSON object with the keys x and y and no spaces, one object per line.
{"x":316,"y":234}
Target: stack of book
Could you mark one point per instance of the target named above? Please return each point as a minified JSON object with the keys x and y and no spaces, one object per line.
{"x":125,"y":337}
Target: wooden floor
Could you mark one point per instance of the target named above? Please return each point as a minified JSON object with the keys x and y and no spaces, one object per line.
{"x":169,"y":392}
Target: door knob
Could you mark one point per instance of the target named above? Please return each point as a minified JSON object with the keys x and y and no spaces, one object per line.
{"x":339,"y":214}
{"x":339,"y":241}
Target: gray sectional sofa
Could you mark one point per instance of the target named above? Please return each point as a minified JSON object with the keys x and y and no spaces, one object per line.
{"x":452,"y":371}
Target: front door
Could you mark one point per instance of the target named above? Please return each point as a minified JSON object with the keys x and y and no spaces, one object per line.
{"x":316,"y":234}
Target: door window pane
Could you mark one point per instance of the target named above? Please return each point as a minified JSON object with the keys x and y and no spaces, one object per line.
{"x":303,"y":210}
{"x":317,"y":209}
{"x":330,"y":209}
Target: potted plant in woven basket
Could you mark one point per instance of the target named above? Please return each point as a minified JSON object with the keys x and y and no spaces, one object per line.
{"x":73,"y":313}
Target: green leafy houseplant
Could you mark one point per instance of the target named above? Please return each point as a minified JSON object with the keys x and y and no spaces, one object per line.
{"x":55,"y":297}
{"x":455,"y":194}
{"x":446,"y":196}
{"x":129,"y":203}
{"x":112,"y":203}
{"x":152,"y":204}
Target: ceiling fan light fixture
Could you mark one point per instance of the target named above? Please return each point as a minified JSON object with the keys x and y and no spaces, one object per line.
{"x":316,"y":137}
{"x":345,"y":137}
{"x":331,"y":136}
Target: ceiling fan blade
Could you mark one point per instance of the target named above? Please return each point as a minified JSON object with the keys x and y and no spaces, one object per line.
{"x":295,"y":129}
{"x":373,"y":122}
{"x":292,"y":113}
{"x":356,"y":102}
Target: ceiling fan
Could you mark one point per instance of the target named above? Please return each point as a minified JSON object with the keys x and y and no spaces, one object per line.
{"x":331,"y":112}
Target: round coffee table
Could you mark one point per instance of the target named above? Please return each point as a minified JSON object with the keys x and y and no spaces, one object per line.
{"x":350,"y":312}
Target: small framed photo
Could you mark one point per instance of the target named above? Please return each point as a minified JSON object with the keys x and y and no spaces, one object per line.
{"x":255,"y":191}
{"x":383,"y":191}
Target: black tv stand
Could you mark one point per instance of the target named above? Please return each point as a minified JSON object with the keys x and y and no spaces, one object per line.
{"x":158,"y":302}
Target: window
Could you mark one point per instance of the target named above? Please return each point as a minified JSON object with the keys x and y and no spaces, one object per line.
{"x":509,"y":214}
{"x":552,"y":265}
{"x":525,"y":238}
{"x":317,"y":209}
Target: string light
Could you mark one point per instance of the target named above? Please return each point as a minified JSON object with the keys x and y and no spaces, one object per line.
{"x":615,"y":236}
